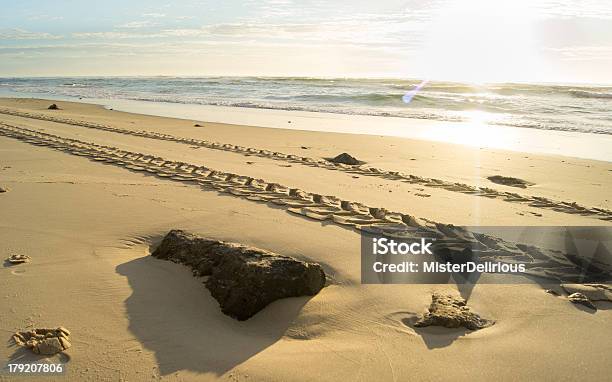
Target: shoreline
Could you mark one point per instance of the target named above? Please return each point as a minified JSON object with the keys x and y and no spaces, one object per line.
{"x":472,"y":134}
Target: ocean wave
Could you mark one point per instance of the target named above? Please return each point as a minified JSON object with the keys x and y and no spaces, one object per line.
{"x":74,"y":85}
{"x":590,"y":94}
{"x":550,"y":107}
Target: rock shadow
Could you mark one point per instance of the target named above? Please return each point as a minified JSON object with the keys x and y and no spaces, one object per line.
{"x":23,"y":355}
{"x":172,"y":314}
{"x":435,"y":337}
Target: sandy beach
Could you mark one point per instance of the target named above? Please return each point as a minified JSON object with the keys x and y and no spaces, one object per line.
{"x":89,"y":225}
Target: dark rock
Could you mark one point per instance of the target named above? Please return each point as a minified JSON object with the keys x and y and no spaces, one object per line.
{"x":451,"y":312}
{"x":242,"y":279}
{"x":53,"y":107}
{"x":579,"y":298}
{"x":197,"y":125}
{"x":346,"y":158}
{"x":509,"y":181}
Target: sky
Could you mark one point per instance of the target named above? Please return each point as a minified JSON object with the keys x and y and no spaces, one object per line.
{"x":567,"y":41}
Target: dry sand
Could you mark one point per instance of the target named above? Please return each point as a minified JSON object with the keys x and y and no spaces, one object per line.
{"x":88,"y":228}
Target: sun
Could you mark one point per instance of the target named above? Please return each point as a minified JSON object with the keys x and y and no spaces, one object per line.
{"x":483,"y":41}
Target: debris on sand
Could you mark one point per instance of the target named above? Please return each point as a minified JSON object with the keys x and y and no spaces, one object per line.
{"x":243,"y":279}
{"x":18,"y":259}
{"x":346,"y":158}
{"x":594,"y":292}
{"x":3,"y":190}
{"x":44,"y":341}
{"x":53,"y":107}
{"x":552,"y":291}
{"x":197,"y":125}
{"x":509,"y":181}
{"x":579,"y":298}
{"x":451,"y":312}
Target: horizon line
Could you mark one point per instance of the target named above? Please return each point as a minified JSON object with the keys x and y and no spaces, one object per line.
{"x":319,"y":78}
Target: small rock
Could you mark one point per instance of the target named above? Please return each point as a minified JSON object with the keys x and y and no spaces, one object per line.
{"x":49,"y":346}
{"x":53,"y":107}
{"x":579,"y":298}
{"x":197,"y":125}
{"x":594,"y":292}
{"x":64,"y":342}
{"x":18,"y":259}
{"x":44,"y":341}
{"x":451,"y":312}
{"x":64,"y":330}
{"x":346,"y":158}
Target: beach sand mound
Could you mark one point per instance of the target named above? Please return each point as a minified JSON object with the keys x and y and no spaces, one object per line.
{"x":243,"y":279}
{"x":345,"y":158}
{"x":451,"y":312}
{"x":44,"y":341}
{"x":509,"y":181}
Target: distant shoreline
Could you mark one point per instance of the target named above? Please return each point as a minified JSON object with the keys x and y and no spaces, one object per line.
{"x":535,"y":141}
{"x":555,"y":107}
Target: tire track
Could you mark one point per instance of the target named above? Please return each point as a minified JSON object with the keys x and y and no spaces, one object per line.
{"x":532,"y":201}
{"x":452,"y":240}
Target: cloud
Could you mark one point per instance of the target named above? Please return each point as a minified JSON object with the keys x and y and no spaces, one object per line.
{"x":574,"y":8}
{"x":22,"y":34}
{"x":138,"y":24}
{"x":154,"y":15}
{"x":45,"y":18}
{"x":583,"y":53}
{"x":365,"y":29}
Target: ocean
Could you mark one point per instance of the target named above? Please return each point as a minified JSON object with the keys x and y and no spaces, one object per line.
{"x":577,"y":108}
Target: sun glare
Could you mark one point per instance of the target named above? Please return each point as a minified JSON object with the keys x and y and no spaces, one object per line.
{"x":475,"y":131}
{"x":482,"y":41}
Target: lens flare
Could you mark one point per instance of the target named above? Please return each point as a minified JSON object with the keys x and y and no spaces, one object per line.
{"x":407,"y":98}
